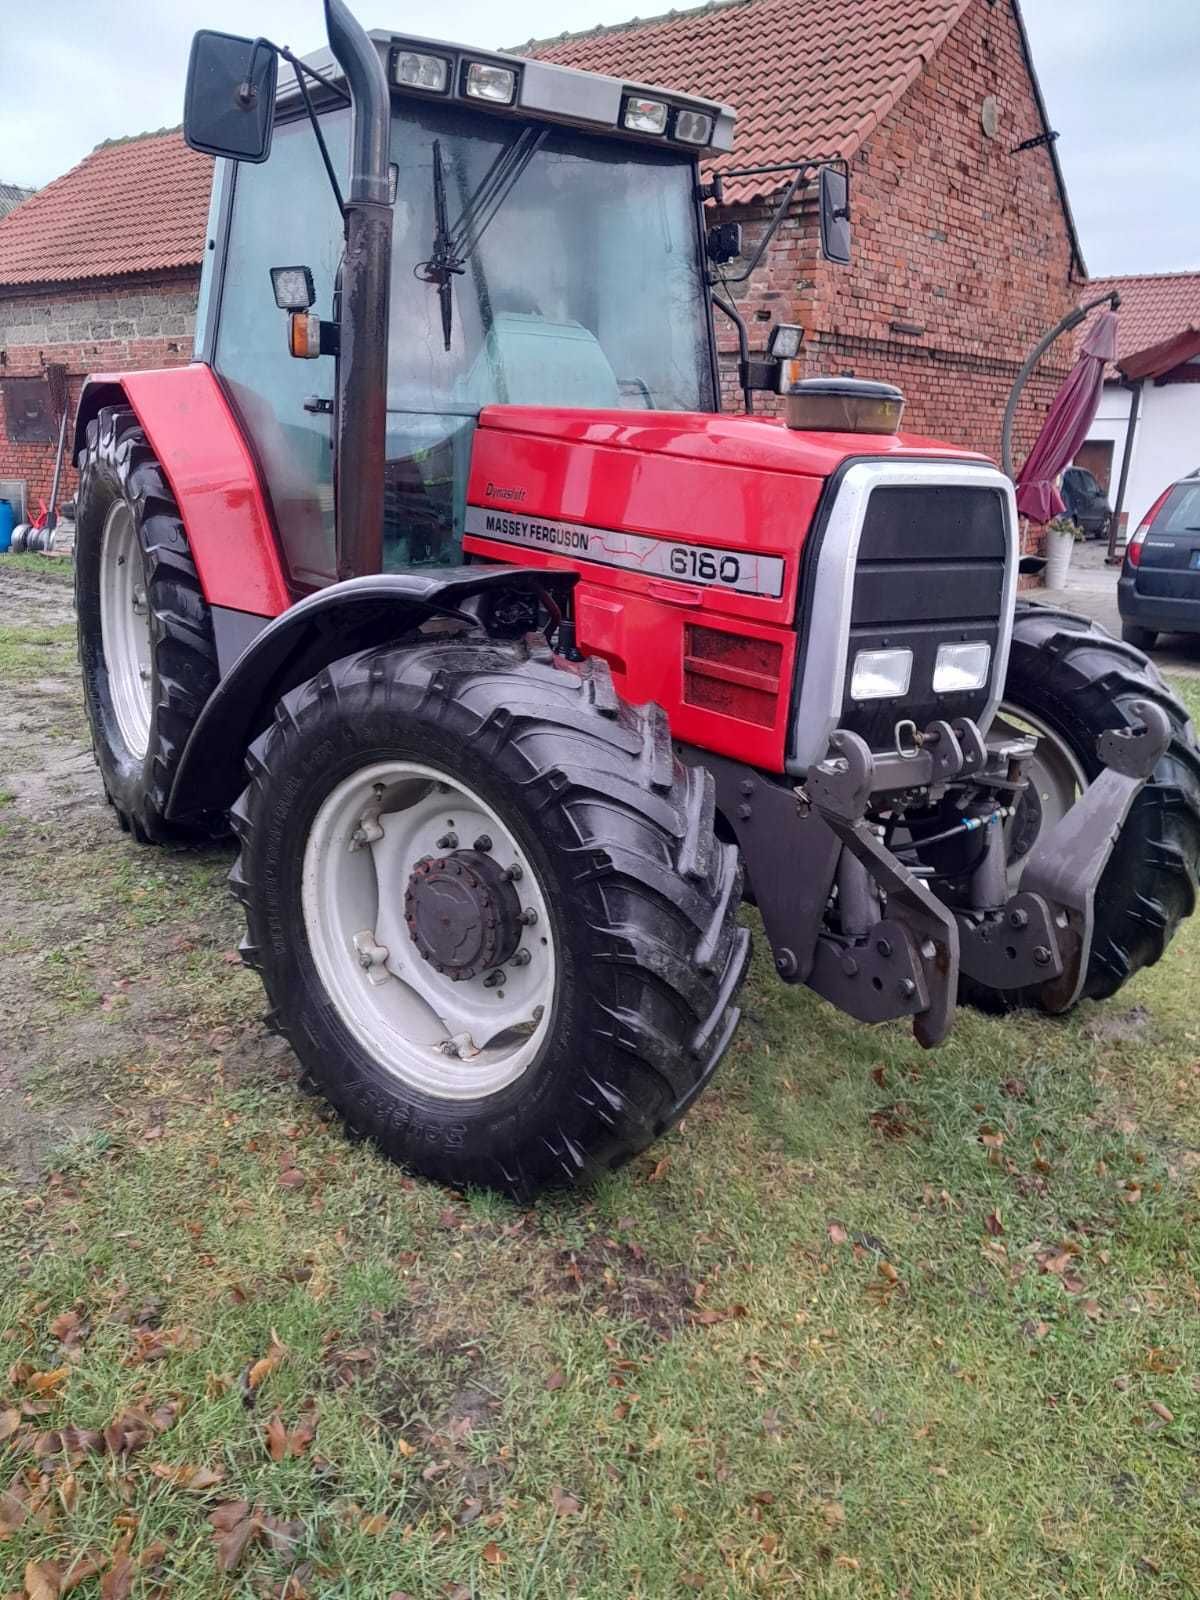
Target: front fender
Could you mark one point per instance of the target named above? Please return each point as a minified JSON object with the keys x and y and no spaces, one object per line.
{"x":337,"y":621}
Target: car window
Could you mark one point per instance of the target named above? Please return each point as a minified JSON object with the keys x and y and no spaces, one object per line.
{"x":1180,"y":511}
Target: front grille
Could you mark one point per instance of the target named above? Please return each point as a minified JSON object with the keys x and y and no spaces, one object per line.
{"x":931,"y":569}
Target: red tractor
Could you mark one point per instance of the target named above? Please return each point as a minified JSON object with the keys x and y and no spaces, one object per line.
{"x":517,"y":665}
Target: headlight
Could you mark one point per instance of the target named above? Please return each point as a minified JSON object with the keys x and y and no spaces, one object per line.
{"x":880,"y":674}
{"x":645,"y":116}
{"x":412,"y":70}
{"x":960,"y":667}
{"x":486,"y":82}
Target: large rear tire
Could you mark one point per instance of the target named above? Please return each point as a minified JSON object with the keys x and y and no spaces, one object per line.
{"x":514,"y":1029}
{"x":1069,"y":681}
{"x":145,"y":632}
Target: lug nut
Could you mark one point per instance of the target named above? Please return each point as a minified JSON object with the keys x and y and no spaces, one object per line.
{"x":521,"y":959}
{"x":494,"y":979}
{"x":448,"y":841}
{"x":483,"y":844}
{"x":528,"y":917}
{"x":1018,"y":918}
{"x":884,"y":946}
{"x":515,"y":873}
{"x":906,"y":988}
{"x":1042,"y":956}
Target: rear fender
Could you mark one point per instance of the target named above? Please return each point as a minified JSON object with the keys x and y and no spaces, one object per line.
{"x":338,"y":621}
{"x":200,"y":447}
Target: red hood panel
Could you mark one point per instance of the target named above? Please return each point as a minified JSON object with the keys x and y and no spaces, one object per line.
{"x":760,"y":442}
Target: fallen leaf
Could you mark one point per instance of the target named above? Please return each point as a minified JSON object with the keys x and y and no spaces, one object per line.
{"x":1091,"y":1308}
{"x":81,"y":1569}
{"x":660,"y":1170}
{"x":1161,"y":1410}
{"x":769,"y":1543}
{"x":565,"y":1505}
{"x":1033,"y":1329}
{"x":450,"y":1218}
{"x":14,"y":1508}
{"x":711,"y":1314}
{"x":291,"y":1178}
{"x":993,"y":1224}
{"x":48,"y":1382}
{"x":42,"y":1581}
{"x":837,"y":1234}
{"x":196,"y":1479}
{"x":834,"y":1512}
{"x":283,"y":1441}
{"x":493,"y":1554}
{"x":405,"y":1448}
{"x":117,"y":1582}
{"x":234,"y":1543}
{"x":555,"y":1379}
{"x":373,"y":1525}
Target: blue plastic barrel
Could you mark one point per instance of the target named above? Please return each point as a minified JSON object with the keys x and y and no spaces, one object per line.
{"x":6,"y":524}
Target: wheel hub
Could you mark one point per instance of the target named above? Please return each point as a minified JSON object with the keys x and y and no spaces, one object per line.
{"x":462,"y":913}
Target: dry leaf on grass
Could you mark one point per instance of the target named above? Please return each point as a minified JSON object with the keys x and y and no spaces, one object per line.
{"x":565,"y":1505}
{"x":283,"y":1442}
{"x":43,"y":1581}
{"x":197,"y":1479}
{"x":493,"y":1554}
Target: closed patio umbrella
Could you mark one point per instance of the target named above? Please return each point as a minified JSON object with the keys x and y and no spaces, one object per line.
{"x":1067,"y":423}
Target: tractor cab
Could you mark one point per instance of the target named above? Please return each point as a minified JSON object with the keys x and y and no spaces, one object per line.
{"x":547,"y":248}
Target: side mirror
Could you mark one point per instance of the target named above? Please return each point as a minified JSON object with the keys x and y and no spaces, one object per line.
{"x":723,"y":242}
{"x":834,"y":202}
{"x":229,"y":107}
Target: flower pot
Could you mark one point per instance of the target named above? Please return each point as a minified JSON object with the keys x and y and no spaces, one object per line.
{"x":1058,"y":558}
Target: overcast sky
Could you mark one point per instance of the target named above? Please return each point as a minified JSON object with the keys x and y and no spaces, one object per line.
{"x":1121,"y":81}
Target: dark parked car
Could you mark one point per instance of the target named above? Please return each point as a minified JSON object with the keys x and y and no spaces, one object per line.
{"x":1086,"y":502}
{"x":1159,"y":587}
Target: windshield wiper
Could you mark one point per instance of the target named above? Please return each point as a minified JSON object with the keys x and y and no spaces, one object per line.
{"x":454,"y":246}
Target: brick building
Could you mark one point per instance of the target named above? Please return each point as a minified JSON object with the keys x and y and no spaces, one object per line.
{"x":964,"y":247}
{"x":98,"y":271}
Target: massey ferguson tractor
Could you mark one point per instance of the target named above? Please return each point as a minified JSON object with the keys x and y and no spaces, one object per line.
{"x":518,"y":666}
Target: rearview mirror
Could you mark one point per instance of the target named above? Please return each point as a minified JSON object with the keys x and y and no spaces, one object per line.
{"x":229,"y":107}
{"x":834,"y":201}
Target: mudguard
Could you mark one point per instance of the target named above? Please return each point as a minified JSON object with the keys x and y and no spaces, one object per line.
{"x":335,"y":622}
{"x":199,"y":445}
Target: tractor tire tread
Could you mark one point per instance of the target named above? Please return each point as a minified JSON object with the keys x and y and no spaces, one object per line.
{"x":118,"y":462}
{"x":653,"y":904}
{"x":1080,"y":680}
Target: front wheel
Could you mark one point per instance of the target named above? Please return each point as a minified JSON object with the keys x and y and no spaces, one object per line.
{"x":1068,"y":682}
{"x":489,"y":910}
{"x":146,"y":642}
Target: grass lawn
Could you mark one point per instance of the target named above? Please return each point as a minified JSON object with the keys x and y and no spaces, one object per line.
{"x":873,"y":1322}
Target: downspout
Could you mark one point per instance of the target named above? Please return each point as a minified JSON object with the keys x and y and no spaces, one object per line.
{"x":1135,"y":403}
{"x":360,"y":453}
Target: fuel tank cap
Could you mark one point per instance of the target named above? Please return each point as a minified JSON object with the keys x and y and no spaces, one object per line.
{"x":843,"y":405}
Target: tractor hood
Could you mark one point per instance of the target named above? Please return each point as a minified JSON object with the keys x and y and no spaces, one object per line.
{"x":761,"y":443}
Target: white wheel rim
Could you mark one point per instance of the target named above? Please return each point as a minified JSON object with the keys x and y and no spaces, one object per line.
{"x":452,"y":1040}
{"x":1054,"y":773}
{"x":125,"y":629}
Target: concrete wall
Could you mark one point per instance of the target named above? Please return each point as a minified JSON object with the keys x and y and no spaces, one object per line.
{"x":1166,"y":443}
{"x":102,"y":328}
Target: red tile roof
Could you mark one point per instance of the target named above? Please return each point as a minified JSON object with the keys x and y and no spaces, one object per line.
{"x":1155,"y":309}
{"x":806,"y":77}
{"x":132,"y":206}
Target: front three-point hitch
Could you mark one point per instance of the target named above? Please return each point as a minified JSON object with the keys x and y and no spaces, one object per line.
{"x":849,"y":905}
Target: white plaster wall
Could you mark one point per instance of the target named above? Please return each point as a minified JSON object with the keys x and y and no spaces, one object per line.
{"x":1166,"y":444}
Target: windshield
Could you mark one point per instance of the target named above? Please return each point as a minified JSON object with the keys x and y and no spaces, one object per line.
{"x":583,"y":286}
